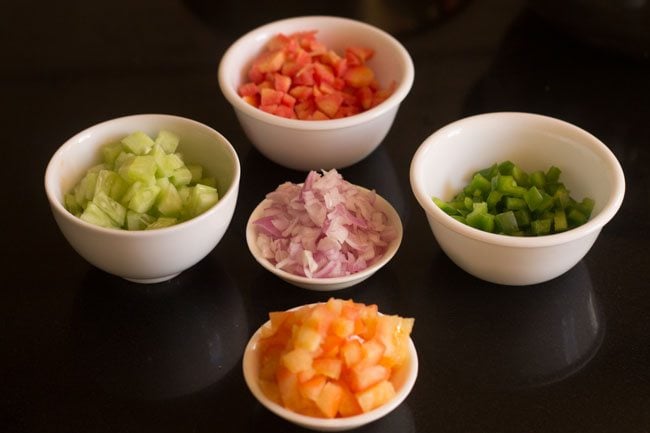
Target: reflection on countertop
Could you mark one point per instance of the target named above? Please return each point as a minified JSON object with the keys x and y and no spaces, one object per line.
{"x":502,"y":337}
{"x":159,"y":341}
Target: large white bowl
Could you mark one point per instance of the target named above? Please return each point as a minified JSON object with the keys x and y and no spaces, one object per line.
{"x":153,"y":255}
{"x":326,"y":284}
{"x":324,"y":144}
{"x":403,"y":379}
{"x":445,"y":161}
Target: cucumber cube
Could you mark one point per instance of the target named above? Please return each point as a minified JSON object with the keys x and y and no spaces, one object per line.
{"x":85,"y":190}
{"x":138,"y":143}
{"x":201,"y":199}
{"x":168,"y":141}
{"x":111,"y":184}
{"x":138,"y":221}
{"x":94,"y":215}
{"x":70,"y":203}
{"x":112,"y":208}
{"x":181,"y":176}
{"x":144,"y":198}
{"x":170,"y":203}
{"x":141,"y":168}
{"x":110,"y":152}
{"x":167,"y":163}
{"x":122,"y":159}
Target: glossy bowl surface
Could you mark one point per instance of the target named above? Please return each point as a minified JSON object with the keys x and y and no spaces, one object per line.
{"x":445,"y":161}
{"x":147,"y":256}
{"x":326,"y":144}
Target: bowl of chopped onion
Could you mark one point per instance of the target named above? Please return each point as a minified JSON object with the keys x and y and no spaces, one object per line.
{"x":516,"y":198}
{"x":325,"y":233}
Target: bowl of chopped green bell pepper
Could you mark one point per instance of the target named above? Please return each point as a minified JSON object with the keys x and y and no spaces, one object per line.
{"x":516,"y":198}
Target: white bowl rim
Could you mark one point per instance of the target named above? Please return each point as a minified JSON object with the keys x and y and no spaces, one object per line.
{"x":401,"y":91}
{"x":607,"y":212}
{"x":331,"y":424}
{"x":392,"y":249}
{"x":139,"y":233}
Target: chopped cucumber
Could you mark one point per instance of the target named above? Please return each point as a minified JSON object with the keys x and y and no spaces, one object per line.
{"x":505,"y":199}
{"x":168,"y":141}
{"x":138,"y":143}
{"x":142,"y":184}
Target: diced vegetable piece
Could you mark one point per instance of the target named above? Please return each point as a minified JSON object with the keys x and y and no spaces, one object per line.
{"x":138,"y":143}
{"x":144,"y":198}
{"x":170,"y":203}
{"x":202,"y":198}
{"x":141,"y":168}
{"x":553,"y":174}
{"x":559,"y":221}
{"x":138,"y":221}
{"x":507,"y":222}
{"x":533,"y":198}
{"x":446,"y":207}
{"x":94,"y":215}
{"x":181,"y":176}
{"x":538,"y":179}
{"x":110,"y":152}
{"x":376,"y":396}
{"x":541,"y":227}
{"x":168,"y":141}
{"x":112,"y":208}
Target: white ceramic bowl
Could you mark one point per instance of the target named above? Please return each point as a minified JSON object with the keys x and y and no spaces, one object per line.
{"x":155,"y":255}
{"x":445,"y":161}
{"x":403,"y":379}
{"x":326,"y":144}
{"x":326,"y":284}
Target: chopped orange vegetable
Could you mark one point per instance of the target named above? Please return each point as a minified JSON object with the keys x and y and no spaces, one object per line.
{"x":332,"y":359}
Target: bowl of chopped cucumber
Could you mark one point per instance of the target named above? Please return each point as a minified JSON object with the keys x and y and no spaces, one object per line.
{"x":144,"y":197}
{"x":516,"y":198}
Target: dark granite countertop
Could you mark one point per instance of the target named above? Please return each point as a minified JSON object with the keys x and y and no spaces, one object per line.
{"x":84,"y":351}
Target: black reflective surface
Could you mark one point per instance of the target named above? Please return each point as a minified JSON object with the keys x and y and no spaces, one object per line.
{"x":83,"y":351}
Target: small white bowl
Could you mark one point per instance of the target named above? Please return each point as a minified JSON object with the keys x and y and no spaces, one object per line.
{"x":326,"y":284}
{"x":323,"y":144}
{"x":445,"y":161}
{"x":146,"y":256}
{"x":403,"y":379}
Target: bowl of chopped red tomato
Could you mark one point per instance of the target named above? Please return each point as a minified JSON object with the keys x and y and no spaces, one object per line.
{"x":316,"y":92}
{"x":325,"y":233}
{"x":331,"y":366}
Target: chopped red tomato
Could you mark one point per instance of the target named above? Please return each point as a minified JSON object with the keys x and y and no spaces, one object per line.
{"x":323,"y":84}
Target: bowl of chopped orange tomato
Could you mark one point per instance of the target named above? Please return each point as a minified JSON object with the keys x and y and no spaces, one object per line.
{"x":331,"y":366}
{"x":316,"y":92}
